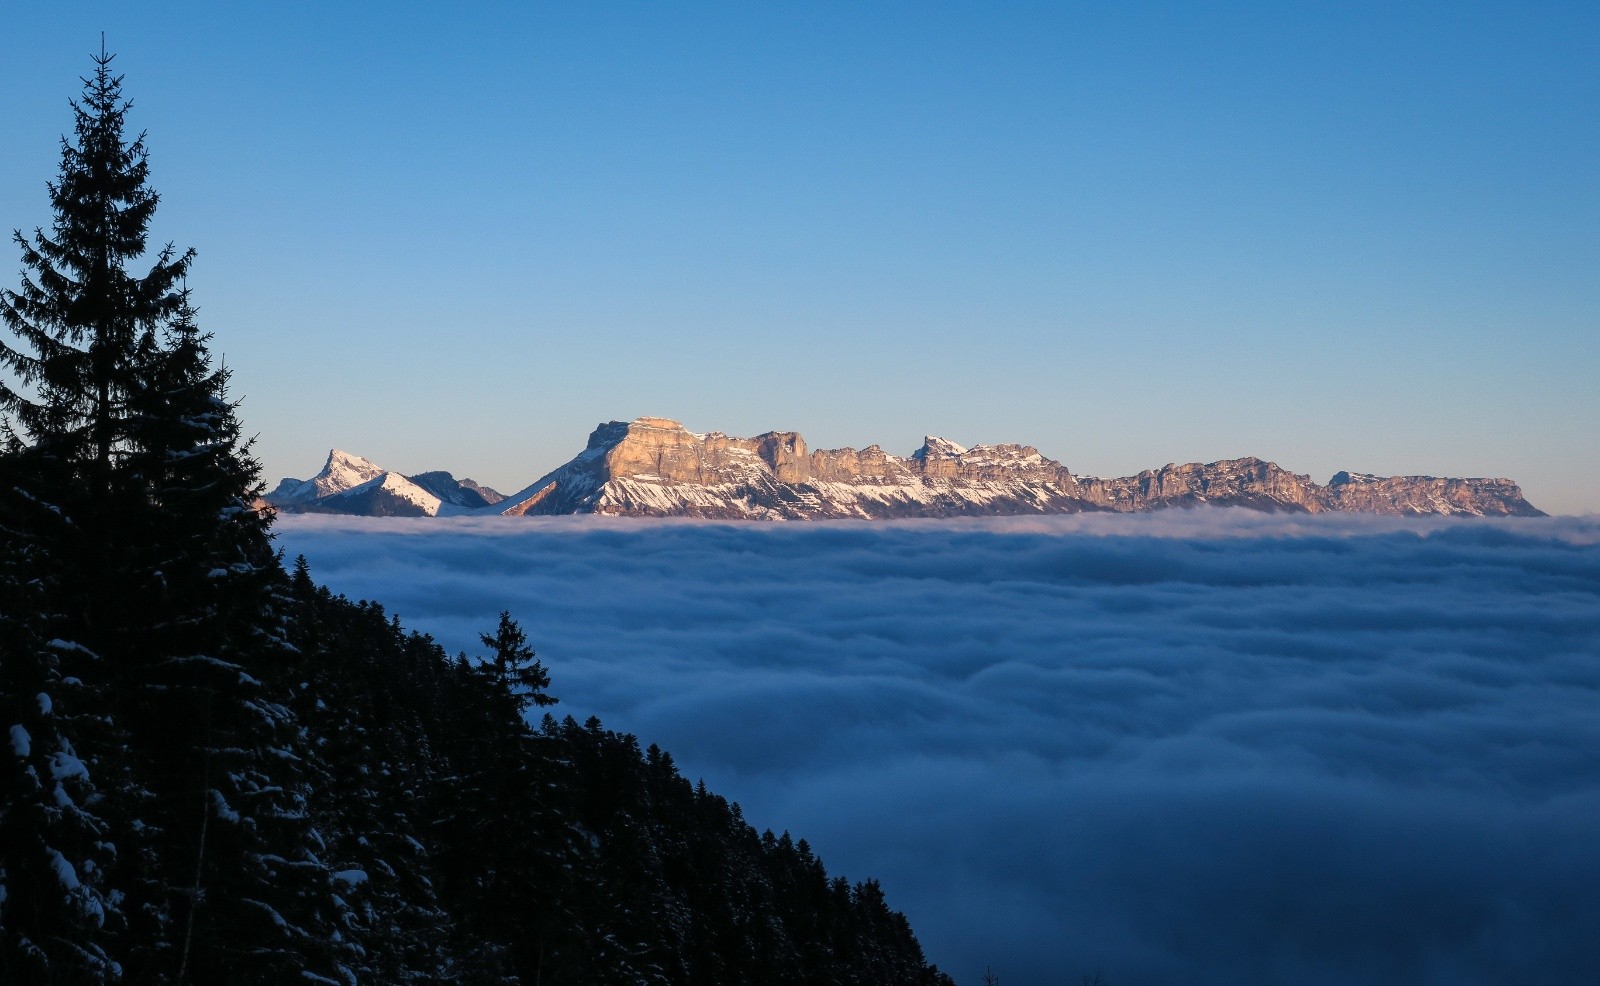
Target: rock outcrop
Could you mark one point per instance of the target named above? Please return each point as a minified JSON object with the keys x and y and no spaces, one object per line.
{"x":656,"y":467}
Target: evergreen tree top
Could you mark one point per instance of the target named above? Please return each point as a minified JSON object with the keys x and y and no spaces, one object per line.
{"x":103,"y":173}
{"x":79,"y":312}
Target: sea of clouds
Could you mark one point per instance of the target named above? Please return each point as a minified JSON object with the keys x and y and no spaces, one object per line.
{"x":1196,"y":747}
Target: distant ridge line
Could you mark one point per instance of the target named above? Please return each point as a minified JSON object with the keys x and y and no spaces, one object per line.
{"x":655,"y":467}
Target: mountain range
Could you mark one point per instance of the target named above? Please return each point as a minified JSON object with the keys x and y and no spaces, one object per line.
{"x":655,"y":467}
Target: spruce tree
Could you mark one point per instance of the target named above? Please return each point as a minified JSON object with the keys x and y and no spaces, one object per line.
{"x":506,"y":842}
{"x":121,"y":426}
{"x":71,"y":375}
{"x":80,"y":311}
{"x":513,"y":666}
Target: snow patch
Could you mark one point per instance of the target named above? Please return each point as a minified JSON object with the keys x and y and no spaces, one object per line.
{"x":65,"y":767}
{"x":224,"y":810}
{"x":21,"y":742}
{"x":71,"y":646}
{"x":63,"y":870}
{"x":352,"y":878}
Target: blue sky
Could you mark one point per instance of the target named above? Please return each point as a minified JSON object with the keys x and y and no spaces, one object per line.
{"x":1357,"y":237}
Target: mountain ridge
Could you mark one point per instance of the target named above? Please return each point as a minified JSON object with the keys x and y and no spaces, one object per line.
{"x":350,"y":484}
{"x":655,"y":466}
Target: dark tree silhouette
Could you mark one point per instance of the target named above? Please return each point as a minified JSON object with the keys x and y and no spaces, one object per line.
{"x":514,"y":665}
{"x":162,"y":569}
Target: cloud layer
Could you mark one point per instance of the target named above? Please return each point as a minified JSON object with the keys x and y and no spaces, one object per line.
{"x":1197,"y":747}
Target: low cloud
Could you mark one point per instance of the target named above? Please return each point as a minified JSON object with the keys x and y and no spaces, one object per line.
{"x":1193,"y":747}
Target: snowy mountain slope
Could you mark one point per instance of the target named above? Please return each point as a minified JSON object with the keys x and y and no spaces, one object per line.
{"x":349,"y":484}
{"x":388,"y":495}
{"x":341,"y":472}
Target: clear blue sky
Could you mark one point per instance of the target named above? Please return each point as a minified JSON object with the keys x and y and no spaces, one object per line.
{"x":1359,"y":236}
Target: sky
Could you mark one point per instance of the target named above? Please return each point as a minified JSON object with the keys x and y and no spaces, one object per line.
{"x":1355,"y":236}
{"x":1210,"y":747}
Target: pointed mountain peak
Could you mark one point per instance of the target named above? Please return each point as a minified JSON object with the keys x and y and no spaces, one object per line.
{"x":340,"y":459}
{"x":345,"y":471}
{"x":351,"y":484}
{"x":341,"y":472}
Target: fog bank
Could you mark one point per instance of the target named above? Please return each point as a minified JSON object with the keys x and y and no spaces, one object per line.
{"x":1196,"y":746}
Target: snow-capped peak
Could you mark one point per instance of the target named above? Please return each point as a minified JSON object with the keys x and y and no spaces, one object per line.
{"x":932,"y":445}
{"x":345,"y":471}
{"x":350,"y":484}
{"x":341,"y":472}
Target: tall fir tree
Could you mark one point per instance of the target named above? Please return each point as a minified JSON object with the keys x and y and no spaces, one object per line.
{"x":80,"y":312}
{"x":119,"y":424}
{"x":75,"y":323}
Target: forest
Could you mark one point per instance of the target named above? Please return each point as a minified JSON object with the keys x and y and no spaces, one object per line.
{"x":218,"y":771}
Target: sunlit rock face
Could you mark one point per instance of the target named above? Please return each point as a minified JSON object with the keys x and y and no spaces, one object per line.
{"x":1426,"y":495}
{"x":1247,"y":482}
{"x":657,"y":467}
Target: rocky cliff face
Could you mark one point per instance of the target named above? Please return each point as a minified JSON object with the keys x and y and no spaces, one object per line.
{"x":656,"y":467}
{"x":1248,"y":482}
{"x":1424,"y":495}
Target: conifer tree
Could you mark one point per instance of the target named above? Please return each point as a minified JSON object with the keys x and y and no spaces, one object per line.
{"x":506,"y":839}
{"x":80,"y":311}
{"x":71,"y":374}
{"x":120,"y":424}
{"x":74,"y":373}
{"x":514,"y":666}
